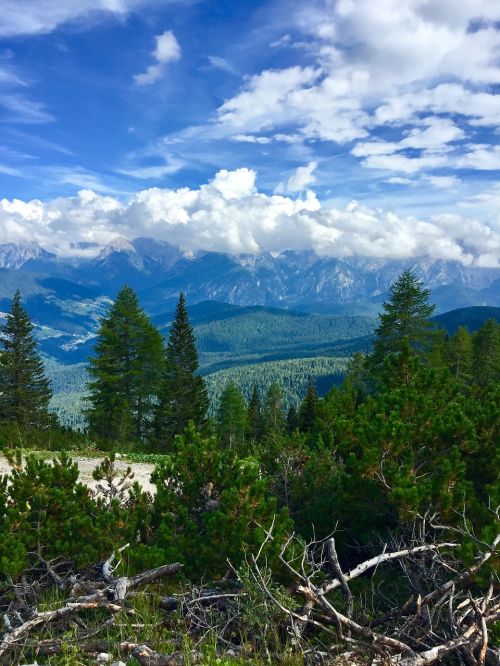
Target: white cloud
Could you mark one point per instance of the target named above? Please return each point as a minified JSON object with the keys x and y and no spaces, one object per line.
{"x":409,"y":65}
{"x":433,"y":143}
{"x":298,"y":182}
{"x":167,"y":50}
{"x":221,"y":63}
{"x":229,"y":214}
{"x":32,"y":17}
{"x":484,"y":158}
{"x":251,"y":138}
{"x":400,"y":180}
{"x":443,"y":182}
{"x":404,"y":164}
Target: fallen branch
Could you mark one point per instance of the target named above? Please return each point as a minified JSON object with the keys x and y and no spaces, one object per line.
{"x":100,"y":599}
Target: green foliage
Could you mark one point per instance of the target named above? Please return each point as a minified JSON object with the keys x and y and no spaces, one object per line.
{"x":125,"y":372}
{"x":308,"y":410}
{"x":183,"y":395}
{"x":45,"y":512}
{"x":461,"y":355}
{"x":232,"y":420}
{"x":486,"y":343}
{"x":413,"y":428}
{"x":293,"y":377}
{"x":25,"y":392}
{"x":210,"y":506}
{"x":255,"y":416}
{"x":405,"y":328}
{"x":274,"y":417}
{"x":259,"y":334}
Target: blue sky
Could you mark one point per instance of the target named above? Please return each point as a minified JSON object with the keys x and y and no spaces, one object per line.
{"x":393,"y":104}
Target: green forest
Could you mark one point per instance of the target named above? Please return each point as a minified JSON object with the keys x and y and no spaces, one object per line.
{"x":288,"y":525}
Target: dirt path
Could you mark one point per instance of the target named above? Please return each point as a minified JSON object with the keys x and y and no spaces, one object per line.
{"x":142,"y":471}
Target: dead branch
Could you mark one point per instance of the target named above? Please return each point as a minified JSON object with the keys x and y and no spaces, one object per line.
{"x":447,"y":619}
{"x":103,"y":598}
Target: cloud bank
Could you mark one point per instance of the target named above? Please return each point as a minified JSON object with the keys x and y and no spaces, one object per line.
{"x":229,"y":214}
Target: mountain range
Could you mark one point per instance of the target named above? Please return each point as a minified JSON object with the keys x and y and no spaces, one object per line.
{"x":300,"y":314}
{"x":301,"y":280}
{"x":66,"y":296}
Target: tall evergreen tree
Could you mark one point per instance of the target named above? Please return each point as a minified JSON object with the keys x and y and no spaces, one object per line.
{"x":125,"y":372}
{"x":183,"y":395}
{"x":405,"y":317}
{"x":232,"y":419}
{"x":255,"y":416}
{"x":405,"y":331}
{"x":308,"y":408}
{"x":24,"y":390}
{"x":292,"y":419}
{"x":274,"y":419}
{"x":461,"y":354}
{"x":486,"y":354}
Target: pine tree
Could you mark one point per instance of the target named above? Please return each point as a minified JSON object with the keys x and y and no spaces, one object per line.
{"x":404,"y":333}
{"x":274,"y":419}
{"x":214,"y":511}
{"x":255,"y":416}
{"x":486,"y":344}
{"x":461,"y":354}
{"x":25,"y":391}
{"x":232,"y":419}
{"x":292,"y":419}
{"x":125,"y":372}
{"x":308,"y":408}
{"x":183,"y":395}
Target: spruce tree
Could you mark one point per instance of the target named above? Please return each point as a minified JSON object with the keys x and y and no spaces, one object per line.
{"x":486,"y":354}
{"x":292,"y":419}
{"x":308,"y":408}
{"x":255,"y":416}
{"x":125,"y":372}
{"x":461,"y":354}
{"x":183,"y":395}
{"x":405,"y":317}
{"x":24,"y":390}
{"x":232,"y":419}
{"x":405,"y":331}
{"x":274,"y":419}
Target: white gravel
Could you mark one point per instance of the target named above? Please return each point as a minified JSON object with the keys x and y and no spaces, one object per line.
{"x":142,"y":471}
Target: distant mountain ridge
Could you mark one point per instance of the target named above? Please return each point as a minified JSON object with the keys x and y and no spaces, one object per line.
{"x":471,"y":318}
{"x":299,"y":280}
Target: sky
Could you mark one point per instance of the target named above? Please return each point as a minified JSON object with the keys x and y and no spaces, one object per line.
{"x":349,"y":127}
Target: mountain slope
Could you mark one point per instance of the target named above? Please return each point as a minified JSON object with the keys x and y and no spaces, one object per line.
{"x":472,"y":318}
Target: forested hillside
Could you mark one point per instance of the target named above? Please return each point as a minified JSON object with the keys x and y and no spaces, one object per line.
{"x":293,"y":376}
{"x":399,"y":462}
{"x":256,"y":345}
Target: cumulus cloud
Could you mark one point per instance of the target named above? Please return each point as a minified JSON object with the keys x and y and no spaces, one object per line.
{"x":229,"y":214}
{"x":167,"y":50}
{"x":393,"y":64}
{"x":302,"y":178}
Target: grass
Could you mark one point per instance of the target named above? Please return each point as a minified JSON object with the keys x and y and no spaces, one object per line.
{"x":141,"y":622}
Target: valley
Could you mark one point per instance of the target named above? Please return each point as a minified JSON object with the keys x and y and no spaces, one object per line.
{"x":294,"y":318}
